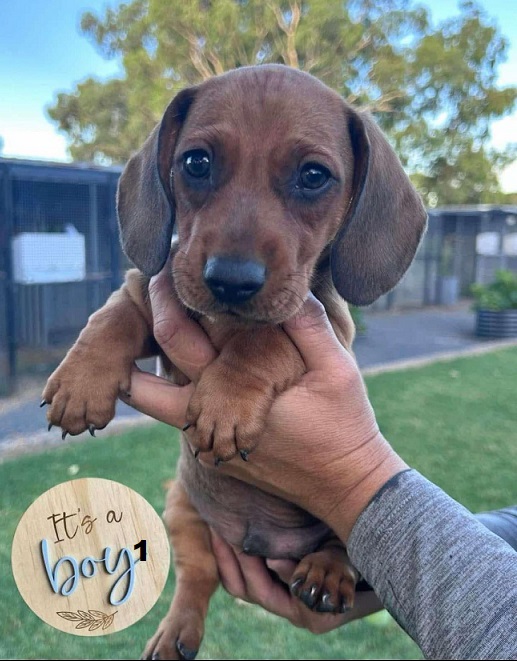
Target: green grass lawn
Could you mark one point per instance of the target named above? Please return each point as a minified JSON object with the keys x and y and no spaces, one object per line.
{"x":455,"y":422}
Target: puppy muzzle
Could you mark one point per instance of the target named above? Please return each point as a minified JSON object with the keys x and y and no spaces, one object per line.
{"x":232,"y":280}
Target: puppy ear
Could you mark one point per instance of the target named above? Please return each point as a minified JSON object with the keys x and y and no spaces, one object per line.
{"x":385,"y":221}
{"x":145,"y":200}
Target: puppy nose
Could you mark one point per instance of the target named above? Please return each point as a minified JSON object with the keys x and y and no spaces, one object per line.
{"x":233,"y":280}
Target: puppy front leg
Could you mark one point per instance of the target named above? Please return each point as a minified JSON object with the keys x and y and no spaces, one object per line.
{"x":180,"y":632}
{"x":229,"y":407}
{"x":83,"y":390}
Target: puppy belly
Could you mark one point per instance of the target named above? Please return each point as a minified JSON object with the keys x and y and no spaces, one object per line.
{"x":257,"y":522}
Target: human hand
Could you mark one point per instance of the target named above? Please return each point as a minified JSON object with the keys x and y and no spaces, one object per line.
{"x":249,"y":578}
{"x":322,"y":448}
{"x":184,"y":342}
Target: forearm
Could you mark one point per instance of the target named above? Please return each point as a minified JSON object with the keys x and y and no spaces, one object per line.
{"x":449,"y":582}
{"x":355,"y":480}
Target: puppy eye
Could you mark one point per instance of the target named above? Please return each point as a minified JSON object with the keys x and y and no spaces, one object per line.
{"x":197,"y":163}
{"x":313,"y":176}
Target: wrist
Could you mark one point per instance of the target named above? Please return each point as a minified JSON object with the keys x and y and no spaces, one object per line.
{"x":372,"y":465}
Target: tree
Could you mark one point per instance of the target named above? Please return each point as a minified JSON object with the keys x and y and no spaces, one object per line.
{"x":432,"y":89}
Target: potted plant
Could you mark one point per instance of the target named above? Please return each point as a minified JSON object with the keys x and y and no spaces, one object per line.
{"x":496,"y":306}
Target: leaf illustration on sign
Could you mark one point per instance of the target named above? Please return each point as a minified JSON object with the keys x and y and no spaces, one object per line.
{"x":90,"y":620}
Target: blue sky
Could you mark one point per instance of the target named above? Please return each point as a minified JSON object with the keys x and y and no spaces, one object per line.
{"x":42,"y":52}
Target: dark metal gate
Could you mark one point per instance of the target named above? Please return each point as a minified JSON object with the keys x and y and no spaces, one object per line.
{"x":59,"y":258}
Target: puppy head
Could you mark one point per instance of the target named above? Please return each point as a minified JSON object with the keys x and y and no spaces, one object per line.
{"x":266,"y":173}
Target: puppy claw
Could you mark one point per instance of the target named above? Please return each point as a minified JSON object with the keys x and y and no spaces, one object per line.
{"x":217,"y":461}
{"x":187,"y":426}
{"x":295,"y":585}
{"x":63,"y":435}
{"x":49,"y":426}
{"x":196,"y":453}
{"x":309,"y":596}
{"x":91,"y":429}
{"x":244,"y":455}
{"x":325,"y":605}
{"x":42,"y":403}
{"x":185,"y":652}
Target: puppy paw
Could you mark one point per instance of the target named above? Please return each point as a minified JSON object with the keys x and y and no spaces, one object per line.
{"x":82,"y":392}
{"x":227,"y":413}
{"x":178,"y":637}
{"x":325,"y":581}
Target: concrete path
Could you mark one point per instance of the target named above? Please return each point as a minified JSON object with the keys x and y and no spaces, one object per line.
{"x":392,"y":339}
{"x":399,"y":338}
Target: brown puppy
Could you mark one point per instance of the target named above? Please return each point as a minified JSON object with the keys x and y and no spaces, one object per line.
{"x":274,"y":186}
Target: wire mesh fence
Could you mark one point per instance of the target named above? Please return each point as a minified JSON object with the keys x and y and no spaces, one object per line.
{"x":60,"y":258}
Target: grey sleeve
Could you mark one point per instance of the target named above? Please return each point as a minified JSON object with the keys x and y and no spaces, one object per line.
{"x":447,"y":580}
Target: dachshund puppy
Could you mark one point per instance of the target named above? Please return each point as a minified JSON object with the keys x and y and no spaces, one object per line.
{"x":274,"y":186}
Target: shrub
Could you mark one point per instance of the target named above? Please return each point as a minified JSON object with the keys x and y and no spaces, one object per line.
{"x":501,"y":294}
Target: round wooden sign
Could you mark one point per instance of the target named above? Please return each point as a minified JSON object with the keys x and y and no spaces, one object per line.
{"x":90,"y":557}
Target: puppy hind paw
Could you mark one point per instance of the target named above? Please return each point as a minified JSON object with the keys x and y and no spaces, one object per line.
{"x":177,"y":651}
{"x":325,"y":581}
{"x":173,"y":642}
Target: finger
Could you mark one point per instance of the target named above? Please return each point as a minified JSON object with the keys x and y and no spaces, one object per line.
{"x":313,"y":335}
{"x":158,"y":398}
{"x":284,"y":569}
{"x":182,"y":339}
{"x":246,"y":577}
{"x":228,"y":566}
{"x":263,"y":589}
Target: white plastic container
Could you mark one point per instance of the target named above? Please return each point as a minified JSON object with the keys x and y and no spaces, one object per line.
{"x":44,"y":257}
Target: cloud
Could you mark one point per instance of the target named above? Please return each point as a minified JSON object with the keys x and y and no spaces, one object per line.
{"x":40,"y":142}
